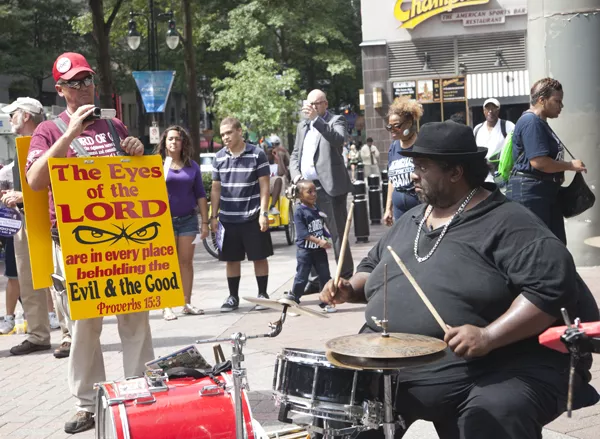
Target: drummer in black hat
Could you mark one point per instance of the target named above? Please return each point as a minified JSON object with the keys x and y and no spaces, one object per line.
{"x":496,"y":277}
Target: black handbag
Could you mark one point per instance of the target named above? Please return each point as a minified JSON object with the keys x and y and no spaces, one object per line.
{"x":577,"y":197}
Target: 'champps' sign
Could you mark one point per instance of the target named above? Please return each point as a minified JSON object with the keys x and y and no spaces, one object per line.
{"x":155,"y":88}
{"x":421,"y":10}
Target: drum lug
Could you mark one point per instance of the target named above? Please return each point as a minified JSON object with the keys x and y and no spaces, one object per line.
{"x":145,"y":401}
{"x":211,"y":390}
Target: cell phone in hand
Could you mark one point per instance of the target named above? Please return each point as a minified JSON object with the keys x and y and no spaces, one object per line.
{"x":101,"y":113}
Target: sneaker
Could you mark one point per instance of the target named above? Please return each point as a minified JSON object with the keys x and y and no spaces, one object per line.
{"x":63,"y":351}
{"x":81,"y":421}
{"x":274,"y":211}
{"x":260,"y":307}
{"x":27,"y":348}
{"x":231,"y":303}
{"x":7,"y":325}
{"x":328,"y":309}
{"x":54,"y":323}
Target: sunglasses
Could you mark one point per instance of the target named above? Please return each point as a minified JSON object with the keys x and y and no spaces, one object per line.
{"x":393,"y":127}
{"x":77,"y":83}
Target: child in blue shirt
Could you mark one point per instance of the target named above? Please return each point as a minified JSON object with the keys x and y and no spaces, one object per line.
{"x":312,"y":240}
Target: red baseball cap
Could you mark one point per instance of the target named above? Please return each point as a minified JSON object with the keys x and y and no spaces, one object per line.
{"x":68,"y":65}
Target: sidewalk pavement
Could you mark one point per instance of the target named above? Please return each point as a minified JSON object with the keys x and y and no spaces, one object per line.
{"x":34,"y":396}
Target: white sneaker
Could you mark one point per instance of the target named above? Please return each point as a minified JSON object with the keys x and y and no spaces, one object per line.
{"x":329,"y":309}
{"x":274,"y":211}
{"x":7,"y":325}
{"x":54,"y":323}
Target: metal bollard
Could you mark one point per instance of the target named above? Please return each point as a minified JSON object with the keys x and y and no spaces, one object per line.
{"x":374,"y":199}
{"x":361,"y":214}
{"x":360,"y":171}
{"x":384,"y":187}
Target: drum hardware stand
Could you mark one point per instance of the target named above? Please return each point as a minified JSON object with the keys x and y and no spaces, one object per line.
{"x":238,"y":340}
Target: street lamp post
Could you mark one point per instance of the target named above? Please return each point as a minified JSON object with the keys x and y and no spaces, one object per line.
{"x":134,"y":38}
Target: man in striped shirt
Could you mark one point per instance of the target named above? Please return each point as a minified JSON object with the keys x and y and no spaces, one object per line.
{"x":240,"y":188}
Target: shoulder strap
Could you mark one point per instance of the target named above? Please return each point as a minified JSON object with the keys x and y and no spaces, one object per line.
{"x":115,"y":136}
{"x":477,"y":128}
{"x":503,"y":127}
{"x":75,"y":144}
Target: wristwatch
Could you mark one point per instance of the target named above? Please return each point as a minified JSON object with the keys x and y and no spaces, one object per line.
{"x":265,"y":214}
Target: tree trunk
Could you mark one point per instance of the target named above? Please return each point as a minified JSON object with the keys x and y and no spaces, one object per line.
{"x":190,"y":74}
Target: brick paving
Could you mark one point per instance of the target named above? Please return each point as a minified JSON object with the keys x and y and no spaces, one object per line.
{"x":34,"y":397}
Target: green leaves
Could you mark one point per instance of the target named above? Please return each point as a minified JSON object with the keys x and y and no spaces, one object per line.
{"x":258,"y":94}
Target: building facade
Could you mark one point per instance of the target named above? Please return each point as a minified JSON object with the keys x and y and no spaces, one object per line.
{"x":451,"y":55}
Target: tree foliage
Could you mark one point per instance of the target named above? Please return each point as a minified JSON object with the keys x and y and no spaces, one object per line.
{"x":32,"y":35}
{"x":257,"y":93}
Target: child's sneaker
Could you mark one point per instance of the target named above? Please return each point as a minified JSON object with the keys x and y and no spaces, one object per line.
{"x":7,"y":325}
{"x":328,"y":308}
{"x":54,"y":323}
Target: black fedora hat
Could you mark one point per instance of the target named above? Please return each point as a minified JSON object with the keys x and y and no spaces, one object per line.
{"x":445,"y":139}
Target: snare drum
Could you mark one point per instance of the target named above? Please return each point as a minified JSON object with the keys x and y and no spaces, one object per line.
{"x":305,"y":382}
{"x":181,"y":408}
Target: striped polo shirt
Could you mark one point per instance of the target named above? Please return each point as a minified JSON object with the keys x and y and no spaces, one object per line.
{"x":240,"y":191}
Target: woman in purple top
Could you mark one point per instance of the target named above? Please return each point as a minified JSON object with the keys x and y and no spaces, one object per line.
{"x":186,"y":195}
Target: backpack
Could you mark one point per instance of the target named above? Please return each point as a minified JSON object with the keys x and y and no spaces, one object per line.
{"x":502,"y":128}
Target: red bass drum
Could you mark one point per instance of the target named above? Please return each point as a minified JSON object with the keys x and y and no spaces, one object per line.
{"x":182,"y":408}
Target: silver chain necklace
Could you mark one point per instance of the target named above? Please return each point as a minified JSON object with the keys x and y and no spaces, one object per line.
{"x":426,"y":215}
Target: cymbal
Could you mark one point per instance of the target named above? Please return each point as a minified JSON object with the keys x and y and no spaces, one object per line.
{"x":594,"y":242}
{"x":375,"y":346}
{"x":361,"y":363}
{"x":280,"y":303}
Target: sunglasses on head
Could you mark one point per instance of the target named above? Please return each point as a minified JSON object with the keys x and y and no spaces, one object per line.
{"x":77,"y":83}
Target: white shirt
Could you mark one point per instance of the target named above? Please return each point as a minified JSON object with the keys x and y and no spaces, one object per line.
{"x":309,"y":149}
{"x":493,"y":140}
{"x":367,"y":154}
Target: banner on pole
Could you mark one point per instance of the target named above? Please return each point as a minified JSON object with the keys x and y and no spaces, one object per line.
{"x":155,"y":88}
{"x":116,"y":235}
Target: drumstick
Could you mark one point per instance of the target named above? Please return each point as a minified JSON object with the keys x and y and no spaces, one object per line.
{"x":343,"y":248}
{"x":416,"y":286}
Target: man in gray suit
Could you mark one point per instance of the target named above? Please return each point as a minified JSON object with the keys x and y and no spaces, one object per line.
{"x":317,"y":156}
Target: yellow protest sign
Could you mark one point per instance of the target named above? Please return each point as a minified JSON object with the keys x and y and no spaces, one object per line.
{"x":37,"y":218}
{"x":116,"y":235}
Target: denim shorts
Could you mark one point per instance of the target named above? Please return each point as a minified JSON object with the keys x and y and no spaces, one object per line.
{"x":185,"y":225}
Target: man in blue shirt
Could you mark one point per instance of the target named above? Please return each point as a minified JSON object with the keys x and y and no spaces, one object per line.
{"x":240,"y":195}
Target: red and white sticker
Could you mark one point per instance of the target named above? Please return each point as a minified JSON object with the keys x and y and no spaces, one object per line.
{"x":63,"y":65}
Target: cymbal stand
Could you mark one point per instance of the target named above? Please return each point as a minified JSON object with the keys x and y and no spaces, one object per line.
{"x":389,"y":426}
{"x":238,"y":340}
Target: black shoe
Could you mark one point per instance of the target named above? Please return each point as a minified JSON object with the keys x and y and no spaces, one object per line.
{"x":261,"y":307}
{"x":81,"y":421}
{"x":312,"y":288}
{"x":27,"y":348}
{"x":288,"y":295}
{"x":232,"y":303}
{"x":63,"y":351}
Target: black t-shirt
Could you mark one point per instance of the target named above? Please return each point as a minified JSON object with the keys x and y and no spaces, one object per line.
{"x":534,"y":136}
{"x":309,"y":222}
{"x":489,"y":255}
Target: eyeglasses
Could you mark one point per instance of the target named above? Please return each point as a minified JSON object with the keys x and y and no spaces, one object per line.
{"x":77,"y":83}
{"x":391,"y":127}
{"x":317,"y":103}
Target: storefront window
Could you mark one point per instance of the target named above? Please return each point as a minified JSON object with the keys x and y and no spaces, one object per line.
{"x":431,"y":113}
{"x":456,"y":111}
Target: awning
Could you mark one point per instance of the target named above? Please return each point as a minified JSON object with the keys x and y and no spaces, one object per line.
{"x":498,"y":84}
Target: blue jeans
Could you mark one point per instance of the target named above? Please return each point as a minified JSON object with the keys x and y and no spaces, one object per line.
{"x":185,"y":225}
{"x":403,"y":202}
{"x":541,"y":197}
{"x":306,"y":260}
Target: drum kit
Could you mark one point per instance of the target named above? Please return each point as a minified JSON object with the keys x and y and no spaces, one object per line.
{"x":343,"y":391}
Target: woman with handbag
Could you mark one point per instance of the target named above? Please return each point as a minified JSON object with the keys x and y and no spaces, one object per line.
{"x":539,"y":167}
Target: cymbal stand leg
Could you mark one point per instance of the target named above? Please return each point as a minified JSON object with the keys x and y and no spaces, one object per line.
{"x":239,"y":375}
{"x":389,"y":426}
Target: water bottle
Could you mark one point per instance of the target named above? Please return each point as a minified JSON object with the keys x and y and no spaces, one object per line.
{"x":19,"y":323}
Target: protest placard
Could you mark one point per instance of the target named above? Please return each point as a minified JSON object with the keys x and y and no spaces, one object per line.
{"x":116,"y":235}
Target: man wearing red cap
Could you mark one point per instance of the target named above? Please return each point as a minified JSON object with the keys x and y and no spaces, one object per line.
{"x":70,"y":135}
